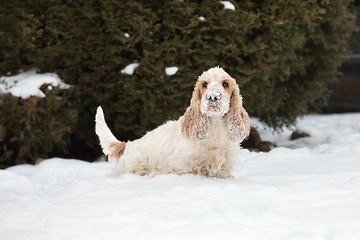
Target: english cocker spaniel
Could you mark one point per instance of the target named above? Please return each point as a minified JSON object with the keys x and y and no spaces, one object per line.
{"x":204,"y":141}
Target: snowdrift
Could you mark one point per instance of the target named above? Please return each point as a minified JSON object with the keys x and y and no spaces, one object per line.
{"x":306,"y":189}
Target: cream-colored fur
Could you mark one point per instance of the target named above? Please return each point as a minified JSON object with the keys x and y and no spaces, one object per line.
{"x":204,"y":141}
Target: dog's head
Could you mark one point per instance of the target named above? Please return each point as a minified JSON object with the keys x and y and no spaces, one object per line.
{"x":215,"y":89}
{"x":216,"y":94}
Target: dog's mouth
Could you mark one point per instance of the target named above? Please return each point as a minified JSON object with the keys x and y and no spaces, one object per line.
{"x":214,"y":107}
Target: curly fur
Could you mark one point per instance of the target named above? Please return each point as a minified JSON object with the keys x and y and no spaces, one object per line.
{"x":204,"y":141}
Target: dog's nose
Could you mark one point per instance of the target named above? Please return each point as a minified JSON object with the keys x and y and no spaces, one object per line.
{"x":213,"y":96}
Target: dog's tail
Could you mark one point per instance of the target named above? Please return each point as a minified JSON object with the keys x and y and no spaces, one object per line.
{"x":111,"y":146}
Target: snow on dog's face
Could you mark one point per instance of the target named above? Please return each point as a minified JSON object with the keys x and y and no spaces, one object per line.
{"x":216,"y":87}
{"x":216,"y":94}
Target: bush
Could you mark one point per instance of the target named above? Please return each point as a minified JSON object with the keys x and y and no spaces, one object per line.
{"x":33,"y":128}
{"x":283,"y":54}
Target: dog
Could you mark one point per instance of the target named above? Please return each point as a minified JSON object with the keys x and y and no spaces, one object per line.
{"x":204,"y":141}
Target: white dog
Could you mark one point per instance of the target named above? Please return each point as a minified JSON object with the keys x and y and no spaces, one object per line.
{"x":205,"y":140}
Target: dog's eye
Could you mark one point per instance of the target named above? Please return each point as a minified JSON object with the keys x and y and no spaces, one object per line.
{"x":225,"y":84}
{"x":205,"y":84}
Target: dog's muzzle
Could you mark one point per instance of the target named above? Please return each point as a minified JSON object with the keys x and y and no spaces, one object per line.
{"x":213,"y":96}
{"x":213,"y":104}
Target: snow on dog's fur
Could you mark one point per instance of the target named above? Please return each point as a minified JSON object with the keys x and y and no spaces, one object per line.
{"x":203,"y":141}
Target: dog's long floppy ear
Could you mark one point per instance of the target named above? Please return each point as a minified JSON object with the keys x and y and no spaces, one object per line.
{"x":237,"y":118}
{"x":195,"y":124}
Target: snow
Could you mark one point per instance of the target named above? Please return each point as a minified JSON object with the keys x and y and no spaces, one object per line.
{"x":228,"y":5}
{"x":305,"y":189}
{"x":28,"y":83}
{"x":171,"y":70}
{"x":219,"y":107}
{"x":129,"y":69}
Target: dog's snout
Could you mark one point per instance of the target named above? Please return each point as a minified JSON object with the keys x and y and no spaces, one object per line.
{"x":213,"y":96}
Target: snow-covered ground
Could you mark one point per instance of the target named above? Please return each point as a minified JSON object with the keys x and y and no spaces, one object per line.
{"x":309,"y":189}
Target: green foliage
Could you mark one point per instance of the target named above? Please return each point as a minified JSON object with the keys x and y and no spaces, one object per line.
{"x":33,"y":128}
{"x":283,"y":54}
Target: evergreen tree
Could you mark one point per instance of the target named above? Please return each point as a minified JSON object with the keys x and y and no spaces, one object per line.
{"x":283,"y":54}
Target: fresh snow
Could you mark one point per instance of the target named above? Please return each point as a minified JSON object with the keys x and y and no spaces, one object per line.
{"x":171,"y":70}
{"x":28,"y":83}
{"x":305,"y":189}
{"x":228,"y":5}
{"x":129,"y":69}
{"x":202,"y":19}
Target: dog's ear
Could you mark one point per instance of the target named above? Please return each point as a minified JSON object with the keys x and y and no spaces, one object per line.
{"x":195,"y":124}
{"x":237,"y":118}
